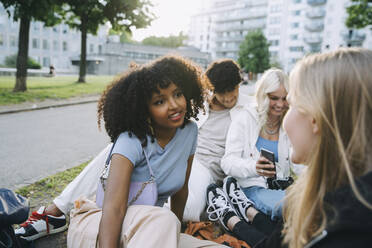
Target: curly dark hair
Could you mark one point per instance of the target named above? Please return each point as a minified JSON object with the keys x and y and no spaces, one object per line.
{"x":124,"y":105}
{"x":223,"y":75}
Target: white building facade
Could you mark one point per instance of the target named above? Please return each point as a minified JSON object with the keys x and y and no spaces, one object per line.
{"x":48,"y":45}
{"x":293,"y":28}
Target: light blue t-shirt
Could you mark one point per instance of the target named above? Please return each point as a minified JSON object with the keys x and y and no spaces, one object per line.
{"x":268,"y":145}
{"x":169,"y":164}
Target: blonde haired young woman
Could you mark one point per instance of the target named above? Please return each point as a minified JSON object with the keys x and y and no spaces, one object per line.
{"x":328,"y":124}
{"x":256,"y":128}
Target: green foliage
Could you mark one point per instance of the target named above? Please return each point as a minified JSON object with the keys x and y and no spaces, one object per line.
{"x":11,"y":61}
{"x":122,"y":14}
{"x":170,"y":41}
{"x":359,"y":14}
{"x":41,"y":88}
{"x":39,"y":10}
{"x":254,"y":53}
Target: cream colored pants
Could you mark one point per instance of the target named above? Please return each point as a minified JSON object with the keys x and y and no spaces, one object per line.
{"x":143,"y":226}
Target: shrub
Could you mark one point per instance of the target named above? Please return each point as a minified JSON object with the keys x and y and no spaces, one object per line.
{"x":11,"y":61}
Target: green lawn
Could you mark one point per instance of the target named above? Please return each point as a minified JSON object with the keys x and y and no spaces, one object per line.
{"x":59,"y":87}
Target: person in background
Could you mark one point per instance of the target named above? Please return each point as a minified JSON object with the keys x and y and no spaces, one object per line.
{"x":223,"y":104}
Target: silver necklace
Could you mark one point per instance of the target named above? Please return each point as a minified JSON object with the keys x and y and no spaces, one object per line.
{"x":269,"y":132}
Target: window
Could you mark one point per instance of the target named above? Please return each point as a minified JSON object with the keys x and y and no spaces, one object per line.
{"x":296,"y":12}
{"x":1,"y":40}
{"x":274,"y":54}
{"x":296,"y":49}
{"x":294,"y":37}
{"x":13,"y":41}
{"x":274,"y":20}
{"x":55,"y":29}
{"x":274,"y":31}
{"x":276,"y":8}
{"x":91,"y":48}
{"x":64,"y":46}
{"x":274,"y":42}
{"x":35,"y":43}
{"x":55,"y":45}
{"x":296,"y":1}
{"x":295,"y":25}
{"x":99,"y":49}
{"x":46,"y":61}
{"x":45,"y":45}
{"x":201,"y":37}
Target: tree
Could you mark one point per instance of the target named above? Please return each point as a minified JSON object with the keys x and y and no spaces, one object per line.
{"x":26,"y":11}
{"x":254,"y":53}
{"x":170,"y":41}
{"x":11,"y":61}
{"x":359,"y":14}
{"x":87,"y":15}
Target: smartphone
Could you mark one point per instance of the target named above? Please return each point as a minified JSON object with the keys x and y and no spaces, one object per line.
{"x":269,"y":155}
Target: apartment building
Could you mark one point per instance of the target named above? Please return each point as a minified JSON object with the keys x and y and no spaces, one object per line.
{"x":293,"y":28}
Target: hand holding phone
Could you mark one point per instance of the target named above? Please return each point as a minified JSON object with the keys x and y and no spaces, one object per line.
{"x":265,"y":168}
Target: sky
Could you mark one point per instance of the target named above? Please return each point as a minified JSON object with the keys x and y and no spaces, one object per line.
{"x":173,"y":16}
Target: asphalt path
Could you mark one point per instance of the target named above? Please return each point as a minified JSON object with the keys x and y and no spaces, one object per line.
{"x":40,"y":143}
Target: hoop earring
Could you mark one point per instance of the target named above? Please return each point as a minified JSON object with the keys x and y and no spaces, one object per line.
{"x":150,"y":126}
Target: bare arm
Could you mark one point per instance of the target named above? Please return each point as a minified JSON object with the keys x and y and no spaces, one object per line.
{"x":178,"y":200}
{"x":115,"y":201}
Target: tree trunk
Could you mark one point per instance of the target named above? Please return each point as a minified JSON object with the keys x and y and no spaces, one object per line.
{"x":83,"y":54}
{"x":21,"y":76}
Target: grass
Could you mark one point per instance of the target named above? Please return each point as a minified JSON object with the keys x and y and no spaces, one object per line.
{"x":44,"y":191}
{"x":59,"y":87}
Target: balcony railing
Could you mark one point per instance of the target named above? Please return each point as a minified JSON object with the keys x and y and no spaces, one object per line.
{"x":316,"y":2}
{"x":315,"y":13}
{"x":353,"y":37}
{"x":313,"y":39}
{"x":229,"y":38}
{"x":314,"y":26}
{"x":238,"y":26}
{"x":241,"y":16}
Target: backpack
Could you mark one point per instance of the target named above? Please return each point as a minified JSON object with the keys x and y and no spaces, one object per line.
{"x":13,"y":210}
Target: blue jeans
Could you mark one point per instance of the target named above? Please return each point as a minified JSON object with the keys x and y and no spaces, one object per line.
{"x":267,"y":201}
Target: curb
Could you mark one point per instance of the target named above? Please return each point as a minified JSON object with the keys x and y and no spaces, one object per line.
{"x":55,"y":105}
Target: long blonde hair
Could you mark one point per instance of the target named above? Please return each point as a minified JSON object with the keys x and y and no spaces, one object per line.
{"x":269,"y":82}
{"x":336,"y":90}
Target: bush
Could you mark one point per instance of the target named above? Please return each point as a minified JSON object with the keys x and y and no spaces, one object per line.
{"x":11,"y":61}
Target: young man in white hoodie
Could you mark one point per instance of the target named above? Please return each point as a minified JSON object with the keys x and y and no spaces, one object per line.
{"x":223,"y":104}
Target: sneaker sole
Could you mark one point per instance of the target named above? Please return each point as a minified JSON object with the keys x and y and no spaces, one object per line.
{"x":42,"y":234}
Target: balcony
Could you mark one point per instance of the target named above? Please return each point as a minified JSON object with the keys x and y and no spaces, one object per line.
{"x":314,"y":26}
{"x":221,"y":38}
{"x":241,"y":16}
{"x":319,"y":13}
{"x":313,"y":39}
{"x":353,"y":37}
{"x":316,"y":2}
{"x":238,"y":26}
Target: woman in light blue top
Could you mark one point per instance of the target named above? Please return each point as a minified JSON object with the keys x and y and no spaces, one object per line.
{"x":147,"y":112}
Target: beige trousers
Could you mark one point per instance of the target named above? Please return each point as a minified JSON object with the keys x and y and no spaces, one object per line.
{"x":143,"y":226}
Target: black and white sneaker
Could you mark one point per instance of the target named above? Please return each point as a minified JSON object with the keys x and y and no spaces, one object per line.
{"x":219,"y":207}
{"x":237,"y":197}
{"x":39,"y":224}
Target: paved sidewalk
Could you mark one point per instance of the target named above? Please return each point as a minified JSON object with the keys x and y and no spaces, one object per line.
{"x":48,"y":103}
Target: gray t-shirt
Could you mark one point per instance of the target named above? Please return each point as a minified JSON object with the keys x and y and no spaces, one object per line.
{"x":169,"y":164}
{"x":211,"y":141}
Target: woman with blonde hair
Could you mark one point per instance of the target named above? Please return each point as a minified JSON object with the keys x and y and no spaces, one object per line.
{"x":328,"y":124}
{"x":251,"y":176}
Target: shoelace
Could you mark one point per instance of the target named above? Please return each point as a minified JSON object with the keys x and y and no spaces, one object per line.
{"x":218,"y":208}
{"x":238,"y":197}
{"x":35,"y":216}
